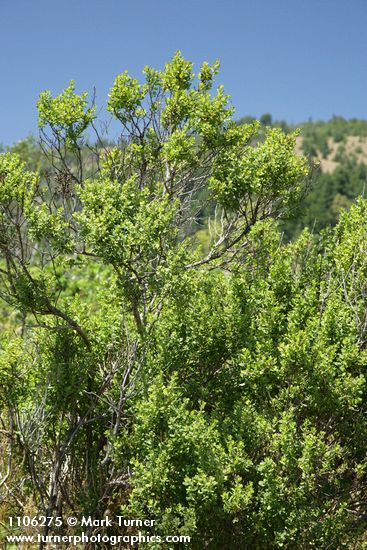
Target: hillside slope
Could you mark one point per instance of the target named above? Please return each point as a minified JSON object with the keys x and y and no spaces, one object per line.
{"x":340,"y":146}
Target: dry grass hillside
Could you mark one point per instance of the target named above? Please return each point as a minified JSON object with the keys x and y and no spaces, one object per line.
{"x":353,"y":147}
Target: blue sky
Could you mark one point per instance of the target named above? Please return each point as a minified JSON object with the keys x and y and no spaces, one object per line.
{"x":293,"y":58}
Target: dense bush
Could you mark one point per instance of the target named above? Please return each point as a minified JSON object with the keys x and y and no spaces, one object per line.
{"x":217,"y":389}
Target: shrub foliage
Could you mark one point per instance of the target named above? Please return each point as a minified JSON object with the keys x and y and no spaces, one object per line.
{"x":217,"y":389}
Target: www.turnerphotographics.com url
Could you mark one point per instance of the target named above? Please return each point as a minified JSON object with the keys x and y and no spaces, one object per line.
{"x":43,"y":522}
